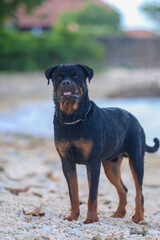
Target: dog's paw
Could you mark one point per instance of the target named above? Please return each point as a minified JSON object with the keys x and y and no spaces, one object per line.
{"x":91,"y":220}
{"x":119,"y":214}
{"x":73,"y":216}
{"x":137,"y":218}
{"x":70,"y":218}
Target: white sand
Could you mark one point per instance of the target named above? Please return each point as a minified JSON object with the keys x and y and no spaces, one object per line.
{"x":26,"y":162}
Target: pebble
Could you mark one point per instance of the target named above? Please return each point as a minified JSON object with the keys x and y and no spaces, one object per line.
{"x":97,"y":237}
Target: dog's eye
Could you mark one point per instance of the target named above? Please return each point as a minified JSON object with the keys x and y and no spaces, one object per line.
{"x":61,"y":75}
{"x":73,"y":75}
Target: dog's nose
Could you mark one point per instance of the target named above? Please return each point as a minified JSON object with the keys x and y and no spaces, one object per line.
{"x":66,"y":83}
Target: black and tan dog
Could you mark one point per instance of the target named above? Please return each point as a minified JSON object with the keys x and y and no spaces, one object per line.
{"x":87,"y":134}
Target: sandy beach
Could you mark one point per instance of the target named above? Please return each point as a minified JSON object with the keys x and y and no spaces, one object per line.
{"x":33,"y":191}
{"x":32,"y":167}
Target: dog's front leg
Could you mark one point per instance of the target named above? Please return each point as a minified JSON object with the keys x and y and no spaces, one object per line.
{"x":70,"y":173}
{"x":93,"y":172}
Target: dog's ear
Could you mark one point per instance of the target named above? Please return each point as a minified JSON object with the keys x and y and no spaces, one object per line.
{"x":49,"y":72}
{"x":88,"y":70}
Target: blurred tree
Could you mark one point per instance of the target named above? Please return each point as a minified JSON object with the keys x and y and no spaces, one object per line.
{"x":92,"y":19}
{"x":8,"y":7}
{"x":152,"y":11}
{"x":22,"y":51}
{"x":72,"y":39}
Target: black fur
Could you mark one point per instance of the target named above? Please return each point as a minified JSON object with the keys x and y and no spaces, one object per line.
{"x":113,"y":132}
{"x":154,"y":148}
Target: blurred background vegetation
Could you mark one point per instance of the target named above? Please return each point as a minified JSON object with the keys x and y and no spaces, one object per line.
{"x":72,"y":39}
{"x":152,"y":11}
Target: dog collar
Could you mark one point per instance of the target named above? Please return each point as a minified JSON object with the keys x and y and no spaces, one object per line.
{"x":78,"y":120}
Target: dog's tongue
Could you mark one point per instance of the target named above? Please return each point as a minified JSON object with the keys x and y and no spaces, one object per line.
{"x":66,"y":93}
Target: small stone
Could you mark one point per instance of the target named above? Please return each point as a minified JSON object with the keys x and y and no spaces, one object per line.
{"x":97,"y":237}
{"x":156,"y":213}
{"x":134,"y":231}
{"x":107,"y":202}
{"x":142,"y":232}
{"x":42,"y":238}
{"x":143,"y":223}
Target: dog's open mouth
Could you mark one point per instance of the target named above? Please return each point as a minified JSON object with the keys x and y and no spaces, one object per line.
{"x":71,"y":94}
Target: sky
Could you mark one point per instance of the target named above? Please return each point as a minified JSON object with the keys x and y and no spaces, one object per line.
{"x":132,"y":17}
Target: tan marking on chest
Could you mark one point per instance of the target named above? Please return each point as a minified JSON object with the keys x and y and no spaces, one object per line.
{"x":84,"y":145}
{"x":68,"y":107}
{"x":62,"y":147}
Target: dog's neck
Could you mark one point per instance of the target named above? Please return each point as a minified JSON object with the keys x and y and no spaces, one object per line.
{"x":73,"y":111}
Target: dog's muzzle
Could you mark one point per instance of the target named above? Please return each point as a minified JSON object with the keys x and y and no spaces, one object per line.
{"x":68,"y":90}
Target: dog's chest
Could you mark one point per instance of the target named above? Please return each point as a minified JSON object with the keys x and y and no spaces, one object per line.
{"x":78,"y":150}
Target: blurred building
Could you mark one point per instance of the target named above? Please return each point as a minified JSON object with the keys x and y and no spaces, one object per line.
{"x":139,"y":33}
{"x":46,"y":15}
{"x":132,"y":51}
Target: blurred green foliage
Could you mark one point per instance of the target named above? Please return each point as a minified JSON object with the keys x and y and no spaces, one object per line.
{"x":8,"y":7}
{"x":93,"y":19}
{"x":21,"y":51}
{"x":152,"y":10}
{"x":72,"y":39}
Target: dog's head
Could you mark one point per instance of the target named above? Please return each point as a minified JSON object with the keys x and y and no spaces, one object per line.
{"x":69,"y":82}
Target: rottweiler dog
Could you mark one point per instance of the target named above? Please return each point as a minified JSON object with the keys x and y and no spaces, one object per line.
{"x":89,"y":135}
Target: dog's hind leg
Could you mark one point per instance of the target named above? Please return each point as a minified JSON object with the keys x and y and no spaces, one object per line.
{"x":93,"y":172}
{"x":113,"y":172}
{"x":137,"y":168}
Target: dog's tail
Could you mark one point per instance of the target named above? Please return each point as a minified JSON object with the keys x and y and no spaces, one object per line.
{"x":154,"y":148}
